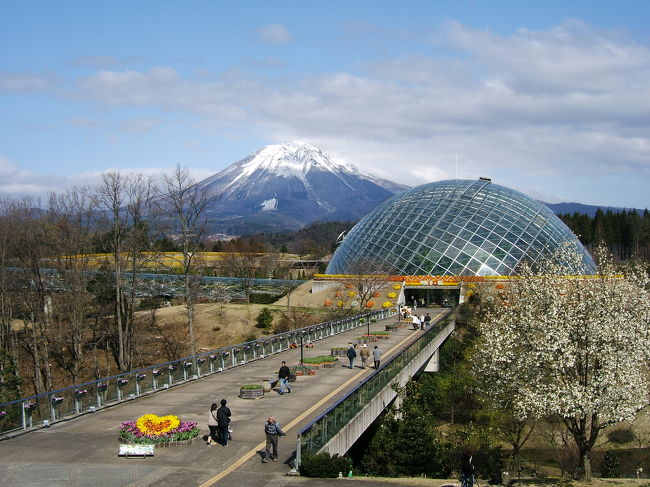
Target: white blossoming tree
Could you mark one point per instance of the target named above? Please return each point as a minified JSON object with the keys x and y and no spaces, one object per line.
{"x":573,"y":348}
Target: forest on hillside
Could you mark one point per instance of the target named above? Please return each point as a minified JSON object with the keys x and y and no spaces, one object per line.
{"x":625,"y":234}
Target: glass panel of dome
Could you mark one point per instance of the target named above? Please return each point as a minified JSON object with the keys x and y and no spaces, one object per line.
{"x":477,"y":239}
{"x":424,"y":213}
{"x":452,"y":252}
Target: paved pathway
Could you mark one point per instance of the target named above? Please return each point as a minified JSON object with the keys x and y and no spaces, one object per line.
{"x":83,"y":451}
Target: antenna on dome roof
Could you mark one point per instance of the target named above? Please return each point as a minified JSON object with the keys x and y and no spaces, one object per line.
{"x":487,"y":180}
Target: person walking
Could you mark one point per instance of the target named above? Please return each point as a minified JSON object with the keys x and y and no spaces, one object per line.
{"x":283,"y":377}
{"x":272,"y":431}
{"x":376,"y":356}
{"x":467,"y":469}
{"x":213,"y":425}
{"x":365,"y":354}
{"x":351,"y":353}
{"x":422,"y":321}
{"x":223,"y":419}
{"x":427,"y":320}
{"x":416,"y":322}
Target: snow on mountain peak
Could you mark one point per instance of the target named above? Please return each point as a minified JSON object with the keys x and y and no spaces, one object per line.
{"x":290,"y":160}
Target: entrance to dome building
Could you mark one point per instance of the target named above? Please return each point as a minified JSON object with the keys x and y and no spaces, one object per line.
{"x":432,"y":297}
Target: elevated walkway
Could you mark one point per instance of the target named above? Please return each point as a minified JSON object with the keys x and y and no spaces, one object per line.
{"x":341,"y":425}
{"x":83,"y":451}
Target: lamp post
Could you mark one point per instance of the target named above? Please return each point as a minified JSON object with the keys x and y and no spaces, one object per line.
{"x":301,"y":354}
{"x":368,"y":323}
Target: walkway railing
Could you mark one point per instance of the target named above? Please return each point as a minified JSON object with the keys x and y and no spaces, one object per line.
{"x":313,"y":437}
{"x":44,"y":409}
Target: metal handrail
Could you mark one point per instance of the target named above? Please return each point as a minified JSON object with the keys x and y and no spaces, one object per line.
{"x":375,"y":382}
{"x":46,"y":408}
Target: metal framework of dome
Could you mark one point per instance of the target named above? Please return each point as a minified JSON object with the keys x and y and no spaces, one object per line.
{"x":456,"y":227}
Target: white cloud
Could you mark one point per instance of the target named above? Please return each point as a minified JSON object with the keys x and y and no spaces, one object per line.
{"x":138,"y":126}
{"x":104,"y":61}
{"x":534,"y":110}
{"x":7,"y":168}
{"x":274,"y":34}
{"x":83,"y":122}
{"x":26,"y":82}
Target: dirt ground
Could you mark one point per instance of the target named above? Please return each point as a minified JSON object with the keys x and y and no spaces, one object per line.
{"x":220,"y":325}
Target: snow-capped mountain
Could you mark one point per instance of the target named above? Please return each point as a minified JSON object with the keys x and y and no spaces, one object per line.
{"x":290,"y":185}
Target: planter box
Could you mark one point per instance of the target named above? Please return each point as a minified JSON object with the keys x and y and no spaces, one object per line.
{"x":311,"y":372}
{"x":391,"y":327}
{"x":381,"y":337}
{"x":338,"y":353}
{"x":330,"y":365}
{"x":251,"y":393}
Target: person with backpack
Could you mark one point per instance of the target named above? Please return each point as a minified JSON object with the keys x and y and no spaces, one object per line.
{"x":223,"y":419}
{"x":273,"y":432}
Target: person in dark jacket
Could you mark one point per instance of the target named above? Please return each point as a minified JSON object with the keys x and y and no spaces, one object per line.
{"x":283,"y":377}
{"x":351,"y":353}
{"x":272,"y":431}
{"x":467,"y":469}
{"x":223,"y":418}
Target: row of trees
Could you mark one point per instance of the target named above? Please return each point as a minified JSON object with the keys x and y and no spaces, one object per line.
{"x":625,"y":233}
{"x":60,"y":315}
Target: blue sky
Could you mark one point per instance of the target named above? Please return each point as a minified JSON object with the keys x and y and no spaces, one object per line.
{"x":550,"y":98}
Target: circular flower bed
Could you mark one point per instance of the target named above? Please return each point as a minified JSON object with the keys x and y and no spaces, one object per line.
{"x":151,"y":429}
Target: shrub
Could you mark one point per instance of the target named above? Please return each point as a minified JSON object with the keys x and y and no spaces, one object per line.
{"x":251,"y":386}
{"x":319,"y":359}
{"x":263,"y":298}
{"x":324,"y":465}
{"x":610,"y":466}
{"x":264,"y":319}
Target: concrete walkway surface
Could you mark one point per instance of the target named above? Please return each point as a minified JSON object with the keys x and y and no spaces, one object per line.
{"x":83,"y":451}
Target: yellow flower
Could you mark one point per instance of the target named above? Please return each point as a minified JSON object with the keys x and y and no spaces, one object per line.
{"x":392,"y":295}
{"x":386,"y":304}
{"x":154,"y":425}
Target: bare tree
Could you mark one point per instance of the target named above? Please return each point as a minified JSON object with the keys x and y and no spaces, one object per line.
{"x":29,"y":247}
{"x":186,"y":204}
{"x":9,"y":375}
{"x":247,"y":261}
{"x":365,"y":278}
{"x":126,"y":203}
{"x":70,"y":217}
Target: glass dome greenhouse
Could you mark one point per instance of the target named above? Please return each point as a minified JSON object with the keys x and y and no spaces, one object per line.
{"x":456,"y":227}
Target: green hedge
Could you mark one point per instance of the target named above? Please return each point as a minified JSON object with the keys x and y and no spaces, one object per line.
{"x":264,"y":298}
{"x":319,"y":359}
{"x":324,"y":465}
